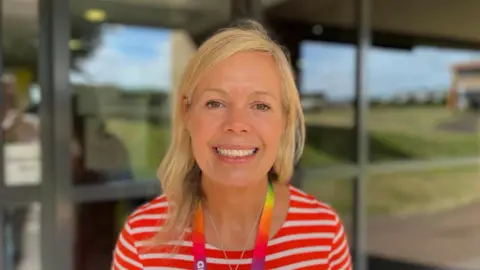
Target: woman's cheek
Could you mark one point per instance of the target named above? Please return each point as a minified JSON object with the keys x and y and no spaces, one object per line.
{"x":207,"y":119}
{"x":271,"y":119}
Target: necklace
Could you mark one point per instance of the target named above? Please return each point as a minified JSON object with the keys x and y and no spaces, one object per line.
{"x":261,"y":242}
{"x":244,"y":247}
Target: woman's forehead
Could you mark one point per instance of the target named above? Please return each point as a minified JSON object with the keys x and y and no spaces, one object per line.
{"x":246,"y":72}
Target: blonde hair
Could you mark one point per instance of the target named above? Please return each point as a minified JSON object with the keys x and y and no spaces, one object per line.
{"x":178,"y":173}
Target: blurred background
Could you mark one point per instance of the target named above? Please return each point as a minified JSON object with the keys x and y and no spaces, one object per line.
{"x":390,"y":90}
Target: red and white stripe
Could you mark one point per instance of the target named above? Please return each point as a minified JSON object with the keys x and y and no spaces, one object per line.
{"x":312,"y":237}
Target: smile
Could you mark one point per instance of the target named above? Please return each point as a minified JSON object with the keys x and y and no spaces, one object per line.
{"x":236,"y":153}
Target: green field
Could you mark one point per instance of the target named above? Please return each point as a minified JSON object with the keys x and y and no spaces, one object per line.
{"x":403,"y":193}
{"x":395,"y":134}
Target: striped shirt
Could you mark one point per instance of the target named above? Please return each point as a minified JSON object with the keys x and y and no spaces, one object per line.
{"x":312,"y":237}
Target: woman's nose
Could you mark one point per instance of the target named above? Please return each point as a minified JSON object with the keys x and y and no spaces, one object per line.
{"x":237,"y":121}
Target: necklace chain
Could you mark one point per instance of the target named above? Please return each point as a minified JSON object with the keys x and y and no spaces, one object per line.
{"x":248,"y":239}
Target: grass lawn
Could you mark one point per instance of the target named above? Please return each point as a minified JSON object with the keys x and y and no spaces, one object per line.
{"x":395,"y":134}
{"x":403,"y":193}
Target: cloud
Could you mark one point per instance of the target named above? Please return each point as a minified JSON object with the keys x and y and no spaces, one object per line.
{"x":328,"y":67}
{"x":131,"y":58}
{"x":331,"y":67}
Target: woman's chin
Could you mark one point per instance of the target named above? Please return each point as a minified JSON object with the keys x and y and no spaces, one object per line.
{"x":235,"y":182}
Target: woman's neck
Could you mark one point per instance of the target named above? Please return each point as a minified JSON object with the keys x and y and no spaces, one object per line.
{"x":233,"y":209}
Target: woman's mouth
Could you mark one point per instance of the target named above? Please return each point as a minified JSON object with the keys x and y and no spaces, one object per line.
{"x":235,"y":155}
{"x":236,"y":152}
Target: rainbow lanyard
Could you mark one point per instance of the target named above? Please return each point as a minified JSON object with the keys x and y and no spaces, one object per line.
{"x":260,"y":251}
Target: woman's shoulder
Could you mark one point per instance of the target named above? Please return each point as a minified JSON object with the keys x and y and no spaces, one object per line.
{"x":149,"y":216}
{"x":305,"y":207}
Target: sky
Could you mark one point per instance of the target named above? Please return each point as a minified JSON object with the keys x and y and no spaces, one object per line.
{"x":135,"y":58}
{"x":129,"y":57}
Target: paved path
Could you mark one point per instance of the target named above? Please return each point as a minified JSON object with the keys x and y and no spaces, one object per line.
{"x":468,"y":123}
{"x":448,"y":239}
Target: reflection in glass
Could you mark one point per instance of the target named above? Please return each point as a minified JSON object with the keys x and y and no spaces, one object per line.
{"x":327,"y":96}
{"x":120,"y":130}
{"x":121,"y":104}
{"x":423,"y":103}
{"x":126,"y":58}
{"x":20,"y":92}
{"x":22,"y":233}
{"x":427,"y":218}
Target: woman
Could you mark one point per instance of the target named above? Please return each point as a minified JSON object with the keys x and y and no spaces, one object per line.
{"x":237,"y":131}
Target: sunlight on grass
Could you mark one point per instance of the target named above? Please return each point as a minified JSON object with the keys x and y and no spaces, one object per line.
{"x":403,"y":193}
{"x":395,"y":134}
{"x":412,"y":192}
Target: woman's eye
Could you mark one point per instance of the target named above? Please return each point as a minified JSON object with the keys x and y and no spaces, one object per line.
{"x":262,"y":107}
{"x":212,"y":104}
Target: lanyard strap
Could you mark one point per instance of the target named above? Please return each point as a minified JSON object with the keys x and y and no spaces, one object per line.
{"x":260,"y":250}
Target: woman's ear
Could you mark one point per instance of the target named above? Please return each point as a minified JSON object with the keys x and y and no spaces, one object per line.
{"x":185,"y":107}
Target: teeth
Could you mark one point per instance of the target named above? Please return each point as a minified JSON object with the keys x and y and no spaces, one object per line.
{"x":235,"y":153}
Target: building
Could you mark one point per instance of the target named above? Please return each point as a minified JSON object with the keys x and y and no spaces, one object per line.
{"x":96,"y":75}
{"x":465,"y":90}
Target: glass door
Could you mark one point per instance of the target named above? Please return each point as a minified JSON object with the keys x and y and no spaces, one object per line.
{"x":20,"y":158}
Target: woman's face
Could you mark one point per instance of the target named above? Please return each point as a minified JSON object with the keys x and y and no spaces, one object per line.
{"x":235,"y":119}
